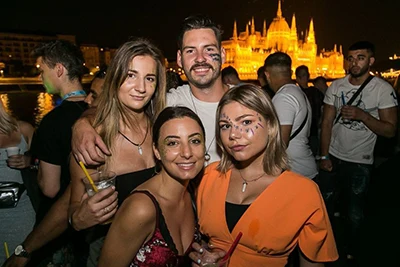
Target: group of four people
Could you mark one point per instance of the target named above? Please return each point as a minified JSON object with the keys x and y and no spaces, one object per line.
{"x":158,"y":153}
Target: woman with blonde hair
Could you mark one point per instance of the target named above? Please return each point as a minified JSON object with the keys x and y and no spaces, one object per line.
{"x":16,"y":222}
{"x":252,"y":191}
{"x":133,"y":94}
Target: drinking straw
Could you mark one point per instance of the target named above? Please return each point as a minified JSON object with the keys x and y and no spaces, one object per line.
{"x":233,"y":246}
{"x":6,"y":250}
{"x":88,"y":176}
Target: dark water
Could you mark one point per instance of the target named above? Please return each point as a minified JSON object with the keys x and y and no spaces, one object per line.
{"x":29,"y":106}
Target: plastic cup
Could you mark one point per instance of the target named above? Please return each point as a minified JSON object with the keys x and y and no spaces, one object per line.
{"x":102,"y":180}
{"x":12,"y":151}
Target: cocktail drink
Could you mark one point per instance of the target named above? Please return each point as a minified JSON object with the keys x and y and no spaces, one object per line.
{"x":101,"y":180}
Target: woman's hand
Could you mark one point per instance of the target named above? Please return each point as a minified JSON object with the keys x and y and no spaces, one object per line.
{"x":95,"y":209}
{"x":19,"y":161}
{"x":203,"y":253}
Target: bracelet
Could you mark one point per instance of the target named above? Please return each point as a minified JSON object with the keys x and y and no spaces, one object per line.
{"x":324,"y":157}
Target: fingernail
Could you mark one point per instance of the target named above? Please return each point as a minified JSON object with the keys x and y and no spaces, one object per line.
{"x":201,"y":250}
{"x":198,"y":261}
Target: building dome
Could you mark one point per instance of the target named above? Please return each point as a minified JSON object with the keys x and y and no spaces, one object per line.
{"x":279,"y":25}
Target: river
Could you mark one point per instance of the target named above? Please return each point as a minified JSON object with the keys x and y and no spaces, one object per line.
{"x":29,"y":106}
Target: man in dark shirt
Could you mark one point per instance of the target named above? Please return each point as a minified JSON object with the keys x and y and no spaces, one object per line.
{"x":61,"y":69}
{"x":316,"y":98}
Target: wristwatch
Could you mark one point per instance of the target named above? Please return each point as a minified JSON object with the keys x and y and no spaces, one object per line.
{"x":21,"y":252}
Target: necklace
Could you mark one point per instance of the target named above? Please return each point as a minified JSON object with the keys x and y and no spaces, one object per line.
{"x":207,"y":156}
{"x":245,"y":182}
{"x":74,"y":93}
{"x":138,"y":145}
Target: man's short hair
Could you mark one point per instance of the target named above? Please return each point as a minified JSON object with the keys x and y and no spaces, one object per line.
{"x":229,"y":71}
{"x":301,"y":70}
{"x":199,"y":21}
{"x":261,"y":72}
{"x":370,"y":47}
{"x":318,"y":79}
{"x":281,"y":60}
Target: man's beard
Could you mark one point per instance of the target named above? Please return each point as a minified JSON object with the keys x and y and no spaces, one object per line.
{"x":362,"y":71}
{"x":203,"y":82}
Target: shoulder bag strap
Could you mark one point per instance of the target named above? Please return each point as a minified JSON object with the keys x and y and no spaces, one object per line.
{"x":302,"y":124}
{"x":355,"y":95}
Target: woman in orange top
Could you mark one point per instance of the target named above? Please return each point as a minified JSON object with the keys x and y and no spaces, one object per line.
{"x":251,"y":190}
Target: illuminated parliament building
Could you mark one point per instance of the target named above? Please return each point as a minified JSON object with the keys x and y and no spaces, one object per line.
{"x":247,"y":50}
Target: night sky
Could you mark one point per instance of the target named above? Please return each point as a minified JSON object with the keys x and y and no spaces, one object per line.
{"x":339,"y":22}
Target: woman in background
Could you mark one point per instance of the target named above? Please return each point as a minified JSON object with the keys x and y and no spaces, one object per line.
{"x":17,"y":222}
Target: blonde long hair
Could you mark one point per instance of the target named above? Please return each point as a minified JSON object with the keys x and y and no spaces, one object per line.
{"x":254,"y":98}
{"x":8,"y":124}
{"x":110,"y":110}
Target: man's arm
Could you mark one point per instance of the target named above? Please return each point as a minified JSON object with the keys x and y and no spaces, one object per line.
{"x":384,"y":126}
{"x":52,"y":226}
{"x":285,"y":132}
{"x":329,"y":114}
{"x":49,"y":176}
{"x":87,"y":145}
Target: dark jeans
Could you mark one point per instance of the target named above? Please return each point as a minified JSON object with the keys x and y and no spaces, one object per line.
{"x":344,"y":190}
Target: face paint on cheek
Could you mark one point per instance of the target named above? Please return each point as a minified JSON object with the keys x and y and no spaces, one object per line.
{"x":216,"y":57}
{"x":260,"y":125}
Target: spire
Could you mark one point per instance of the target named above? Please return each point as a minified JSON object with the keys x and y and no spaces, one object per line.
{"x":293,"y":28}
{"x":234,"y":31}
{"x":247,"y":29}
{"x":311,"y":34}
{"x":335,"y":48}
{"x":264,"y":29}
{"x":340,"y":49}
{"x":253,"y":28}
{"x":279,"y":12}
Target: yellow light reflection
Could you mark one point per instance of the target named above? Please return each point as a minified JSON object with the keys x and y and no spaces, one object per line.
{"x":44,"y":106}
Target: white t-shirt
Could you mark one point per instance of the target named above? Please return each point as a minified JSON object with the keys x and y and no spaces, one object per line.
{"x":354,"y":142}
{"x":182,"y":96}
{"x":291,"y":105}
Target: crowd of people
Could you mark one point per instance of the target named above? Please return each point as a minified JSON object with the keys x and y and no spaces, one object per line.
{"x":196,"y":163}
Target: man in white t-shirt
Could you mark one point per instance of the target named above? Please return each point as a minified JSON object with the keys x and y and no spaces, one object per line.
{"x":348,"y":137}
{"x":294,"y":112}
{"x":201,"y":56}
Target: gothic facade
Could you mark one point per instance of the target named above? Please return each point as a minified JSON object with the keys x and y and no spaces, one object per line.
{"x":247,"y":50}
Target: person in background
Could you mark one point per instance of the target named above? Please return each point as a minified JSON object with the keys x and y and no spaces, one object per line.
{"x":321,"y":84}
{"x":251,"y":190}
{"x":173,"y":80}
{"x":61,"y":66}
{"x":18,"y":221}
{"x":230,"y":76}
{"x":96,"y":87}
{"x":133,"y":94}
{"x":315,"y":97}
{"x":348,"y":137}
{"x":157,"y":223}
{"x":201,"y":56}
{"x":262,"y":79}
{"x":55,"y":222}
{"x":294,"y":112}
